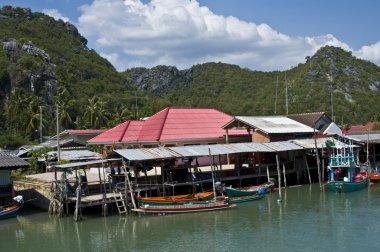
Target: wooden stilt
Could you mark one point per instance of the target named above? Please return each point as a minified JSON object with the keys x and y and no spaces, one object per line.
{"x":307,"y":167}
{"x":268,"y":173}
{"x":278,"y":177}
{"x":283,"y":170}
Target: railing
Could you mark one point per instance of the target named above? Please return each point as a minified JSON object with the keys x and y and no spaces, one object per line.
{"x":341,"y":160}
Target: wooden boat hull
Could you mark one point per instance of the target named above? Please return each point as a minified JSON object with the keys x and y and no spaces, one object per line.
{"x":374,"y":177}
{"x":187,"y":208}
{"x":248,"y":191}
{"x":8,"y":211}
{"x":176,"y":200}
{"x":245,"y":198}
{"x":345,"y":187}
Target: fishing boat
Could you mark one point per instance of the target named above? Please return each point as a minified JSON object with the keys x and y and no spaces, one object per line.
{"x":176,"y":200}
{"x":185,"y":208}
{"x":12,"y":209}
{"x":8,"y":211}
{"x":242,"y":199}
{"x":344,"y":174}
{"x":250,"y":190}
{"x":375,"y":176}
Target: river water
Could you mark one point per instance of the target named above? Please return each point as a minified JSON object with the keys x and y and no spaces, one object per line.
{"x":305,"y":220}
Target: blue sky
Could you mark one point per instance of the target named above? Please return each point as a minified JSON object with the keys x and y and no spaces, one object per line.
{"x":256,"y":34}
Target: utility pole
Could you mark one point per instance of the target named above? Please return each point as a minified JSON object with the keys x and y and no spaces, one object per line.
{"x":286,"y":96}
{"x":58,"y":147}
{"x":136,"y":108}
{"x":275,"y":100}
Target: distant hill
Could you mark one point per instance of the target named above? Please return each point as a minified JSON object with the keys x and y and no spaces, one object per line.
{"x":331,"y":76}
{"x":44,"y":62}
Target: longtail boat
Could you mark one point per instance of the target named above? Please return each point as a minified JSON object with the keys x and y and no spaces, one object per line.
{"x":9,"y":211}
{"x":374,"y":177}
{"x":185,"y":208}
{"x":344,"y":175}
{"x":176,"y":200}
{"x":250,"y":190}
{"x":246,"y":198}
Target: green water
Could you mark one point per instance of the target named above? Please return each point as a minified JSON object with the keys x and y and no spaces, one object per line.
{"x":305,"y":220}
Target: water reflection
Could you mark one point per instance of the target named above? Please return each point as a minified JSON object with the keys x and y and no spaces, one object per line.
{"x":306,"y":219}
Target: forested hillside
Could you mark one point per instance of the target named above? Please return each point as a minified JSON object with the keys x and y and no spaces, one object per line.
{"x":44,"y":62}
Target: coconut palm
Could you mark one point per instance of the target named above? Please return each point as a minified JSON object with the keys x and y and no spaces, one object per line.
{"x":95,"y":113}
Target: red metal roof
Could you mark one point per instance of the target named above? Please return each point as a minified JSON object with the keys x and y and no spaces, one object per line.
{"x":171,"y":124}
{"x":361,"y":128}
{"x":126,"y":131}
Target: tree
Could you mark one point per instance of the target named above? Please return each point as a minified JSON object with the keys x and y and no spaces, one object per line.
{"x":95,"y":113}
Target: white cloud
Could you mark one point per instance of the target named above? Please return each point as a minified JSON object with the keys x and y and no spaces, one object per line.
{"x":371,"y":52}
{"x":55,"y":14}
{"x":183,"y":33}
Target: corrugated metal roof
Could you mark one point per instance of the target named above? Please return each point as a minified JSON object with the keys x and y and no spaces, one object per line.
{"x":8,"y":161}
{"x":76,"y":154}
{"x":171,"y":124}
{"x":321,"y":143}
{"x":79,"y":164}
{"x":275,"y":124}
{"x":145,"y":154}
{"x":371,"y":137}
{"x":220,"y":149}
{"x":283,"y":146}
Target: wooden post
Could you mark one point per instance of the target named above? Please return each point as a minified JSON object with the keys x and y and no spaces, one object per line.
{"x":283,"y":170}
{"x":268,"y":173}
{"x":130,"y":187}
{"x":318,"y":162}
{"x":212,"y":173}
{"x":238,"y":170}
{"x":155,"y":173}
{"x":227,"y":142}
{"x":307,"y":167}
{"x":278,"y":177}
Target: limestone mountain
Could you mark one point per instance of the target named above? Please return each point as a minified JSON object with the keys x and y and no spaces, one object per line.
{"x":332,"y":80}
{"x":44,"y":62}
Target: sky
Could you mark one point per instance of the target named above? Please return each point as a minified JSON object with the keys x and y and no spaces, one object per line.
{"x":263,"y":35}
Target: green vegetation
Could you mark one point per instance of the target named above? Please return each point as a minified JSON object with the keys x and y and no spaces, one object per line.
{"x":44,"y":63}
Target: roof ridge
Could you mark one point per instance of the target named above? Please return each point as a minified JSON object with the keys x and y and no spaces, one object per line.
{"x":124,"y":130}
{"x":163,"y":124}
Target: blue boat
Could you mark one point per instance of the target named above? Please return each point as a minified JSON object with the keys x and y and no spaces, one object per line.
{"x":9,"y":211}
{"x":344,"y":175}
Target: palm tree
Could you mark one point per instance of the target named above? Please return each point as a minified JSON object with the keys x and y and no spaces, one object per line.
{"x":15,"y":109}
{"x":95,"y":113}
{"x":65,"y":103}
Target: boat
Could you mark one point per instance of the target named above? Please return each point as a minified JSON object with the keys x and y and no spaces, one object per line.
{"x":176,"y":200}
{"x":185,"y":208}
{"x":8,"y":211}
{"x":242,"y":199}
{"x":250,"y":190}
{"x":375,"y":176}
{"x":344,"y":174}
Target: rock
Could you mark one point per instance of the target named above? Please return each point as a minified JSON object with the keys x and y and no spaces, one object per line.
{"x":29,"y":48}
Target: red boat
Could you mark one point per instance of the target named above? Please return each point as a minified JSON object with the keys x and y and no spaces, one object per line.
{"x":374,"y":177}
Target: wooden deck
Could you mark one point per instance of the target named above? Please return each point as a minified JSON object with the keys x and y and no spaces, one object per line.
{"x":95,"y":199}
